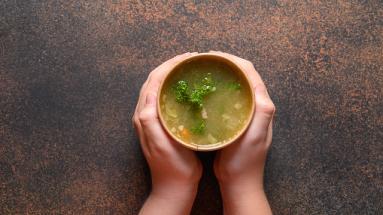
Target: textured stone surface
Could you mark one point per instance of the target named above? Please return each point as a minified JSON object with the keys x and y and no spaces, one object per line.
{"x":70,"y":73}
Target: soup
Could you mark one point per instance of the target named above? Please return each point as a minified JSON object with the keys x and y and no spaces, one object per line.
{"x":203,"y":101}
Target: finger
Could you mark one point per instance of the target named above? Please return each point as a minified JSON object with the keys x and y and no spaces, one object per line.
{"x":140,"y":98}
{"x":264,"y":113}
{"x":143,"y":141}
{"x":156,"y":140}
{"x":135,"y":121}
{"x":269,"y":134}
{"x":264,"y":107}
{"x":137,"y":125}
{"x":142,"y":95}
{"x":151,"y":125}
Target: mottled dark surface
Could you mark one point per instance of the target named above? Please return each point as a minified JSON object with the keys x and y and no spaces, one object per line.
{"x":70,"y":72}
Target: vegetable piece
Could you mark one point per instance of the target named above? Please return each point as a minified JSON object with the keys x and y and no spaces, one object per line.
{"x":185,"y":134}
{"x":181,"y":90}
{"x":237,"y":106}
{"x":225,"y":117}
{"x":170,"y":112}
{"x":194,"y":97}
{"x":211,"y":139}
{"x":208,"y":80}
{"x":204,"y":113}
{"x":198,"y":94}
{"x":199,"y":128}
{"x":234,"y":86}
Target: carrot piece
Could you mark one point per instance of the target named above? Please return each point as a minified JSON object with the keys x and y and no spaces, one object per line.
{"x":185,"y":134}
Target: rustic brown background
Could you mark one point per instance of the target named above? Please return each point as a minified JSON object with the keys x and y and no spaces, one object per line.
{"x":70,"y":72}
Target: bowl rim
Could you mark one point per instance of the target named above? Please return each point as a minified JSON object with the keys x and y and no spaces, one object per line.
{"x":239,"y":70}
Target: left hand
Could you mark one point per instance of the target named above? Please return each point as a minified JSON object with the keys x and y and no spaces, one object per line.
{"x":175,"y":170}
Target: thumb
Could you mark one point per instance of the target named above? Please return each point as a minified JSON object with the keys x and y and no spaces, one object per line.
{"x":264,"y":110}
{"x":149,"y":119}
{"x":264,"y":107}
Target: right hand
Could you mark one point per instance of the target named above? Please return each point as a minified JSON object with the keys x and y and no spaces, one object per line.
{"x":239,"y":167}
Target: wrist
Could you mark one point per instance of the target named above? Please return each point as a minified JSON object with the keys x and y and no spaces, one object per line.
{"x":244,"y":198}
{"x":243,"y":187}
{"x":252,"y":181}
{"x":170,"y":200}
{"x":174,"y":190}
{"x":240,"y":189}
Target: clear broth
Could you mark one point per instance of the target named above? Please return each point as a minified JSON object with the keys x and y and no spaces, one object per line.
{"x":225,"y":111}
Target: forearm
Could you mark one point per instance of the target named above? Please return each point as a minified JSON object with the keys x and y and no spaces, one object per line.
{"x":174,"y":201}
{"x":244,"y":199}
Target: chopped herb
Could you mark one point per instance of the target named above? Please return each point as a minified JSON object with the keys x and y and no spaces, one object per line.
{"x":199,"y":128}
{"x":181,"y":90}
{"x":234,"y":86}
{"x":195,"y":96}
{"x":198,"y":94}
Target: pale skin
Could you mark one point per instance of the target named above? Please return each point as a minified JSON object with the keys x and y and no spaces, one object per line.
{"x":176,"y":171}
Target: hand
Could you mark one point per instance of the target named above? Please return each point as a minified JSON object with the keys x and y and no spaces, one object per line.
{"x":239,"y":167}
{"x":175,"y":170}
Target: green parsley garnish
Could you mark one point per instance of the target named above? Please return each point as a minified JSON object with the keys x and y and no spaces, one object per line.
{"x":181,"y":90}
{"x":194,"y":96}
{"x":199,"y":128}
{"x":234,"y":86}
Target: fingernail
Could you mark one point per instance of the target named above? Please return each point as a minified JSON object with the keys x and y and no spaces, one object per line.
{"x":151,"y":99}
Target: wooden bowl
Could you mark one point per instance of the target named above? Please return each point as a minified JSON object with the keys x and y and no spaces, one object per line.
{"x":235,"y":68}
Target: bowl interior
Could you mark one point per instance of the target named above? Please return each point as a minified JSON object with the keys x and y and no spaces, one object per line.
{"x":208,"y":57}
